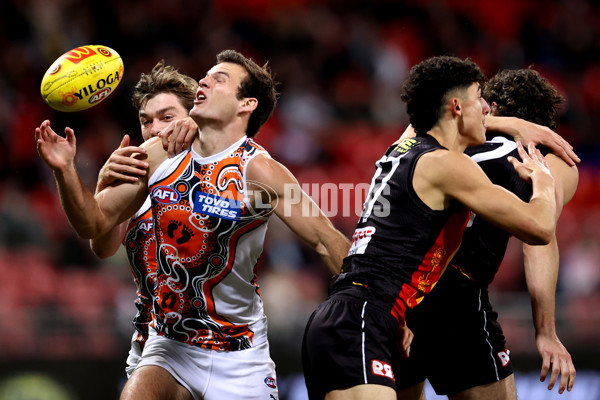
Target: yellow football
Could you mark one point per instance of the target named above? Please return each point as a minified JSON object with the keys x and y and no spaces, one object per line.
{"x":82,"y":78}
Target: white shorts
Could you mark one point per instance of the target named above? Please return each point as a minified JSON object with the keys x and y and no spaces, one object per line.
{"x":135,"y":354}
{"x":215,"y":375}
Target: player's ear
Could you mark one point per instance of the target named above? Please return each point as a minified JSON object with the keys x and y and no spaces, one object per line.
{"x":455,"y":106}
{"x":248,"y":104}
{"x":493,"y":108}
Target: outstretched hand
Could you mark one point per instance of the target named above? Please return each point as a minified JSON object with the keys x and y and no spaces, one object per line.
{"x":57,"y":151}
{"x":122,"y":166}
{"x":533,"y":161}
{"x":555,"y":358}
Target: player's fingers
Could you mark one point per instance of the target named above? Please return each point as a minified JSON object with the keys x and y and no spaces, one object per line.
{"x":189,"y":138}
{"x":164,"y":138}
{"x":124,"y":141}
{"x":521,"y":151}
{"x":572,"y":375}
{"x":70,"y":135}
{"x":123,"y":177}
{"x":545,"y":367}
{"x":120,"y":163}
{"x":564,"y":376}
{"x":127,"y":152}
{"x":181,"y":139}
{"x":173,"y":140}
{"x":555,"y":368}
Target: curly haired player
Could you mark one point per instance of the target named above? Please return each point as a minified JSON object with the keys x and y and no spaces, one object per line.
{"x":459,"y":305}
{"x":411,"y":225}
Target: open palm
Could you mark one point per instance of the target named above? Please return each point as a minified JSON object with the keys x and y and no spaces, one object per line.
{"x":55,"y":150}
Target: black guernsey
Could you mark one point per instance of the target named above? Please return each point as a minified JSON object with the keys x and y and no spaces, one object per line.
{"x":400,"y":246}
{"x":484,"y":244}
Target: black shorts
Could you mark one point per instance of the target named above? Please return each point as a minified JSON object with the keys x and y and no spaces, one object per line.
{"x":458,"y":341}
{"x":348,"y":341}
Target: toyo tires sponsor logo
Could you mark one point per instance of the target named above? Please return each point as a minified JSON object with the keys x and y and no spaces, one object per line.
{"x":259,"y":202}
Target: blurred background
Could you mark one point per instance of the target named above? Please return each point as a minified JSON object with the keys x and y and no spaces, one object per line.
{"x":65,"y":316}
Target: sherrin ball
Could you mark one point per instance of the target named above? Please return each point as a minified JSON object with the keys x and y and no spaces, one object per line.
{"x":82,"y":78}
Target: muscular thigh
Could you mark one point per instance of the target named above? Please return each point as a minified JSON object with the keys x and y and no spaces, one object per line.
{"x":501,"y":390}
{"x":153,"y":383}
{"x":348,"y":348}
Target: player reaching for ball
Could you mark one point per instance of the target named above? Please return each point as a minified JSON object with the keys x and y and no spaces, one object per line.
{"x":163,"y":99}
{"x":210,"y":208}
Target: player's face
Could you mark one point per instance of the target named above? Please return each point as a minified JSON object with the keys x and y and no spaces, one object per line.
{"x":160,"y":111}
{"x":474,"y":110}
{"x":216,"y":98}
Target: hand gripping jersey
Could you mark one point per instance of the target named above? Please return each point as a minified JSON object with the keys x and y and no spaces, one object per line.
{"x":140,"y":246}
{"x":209,"y":239}
{"x":484,"y":244}
{"x":400,"y":246}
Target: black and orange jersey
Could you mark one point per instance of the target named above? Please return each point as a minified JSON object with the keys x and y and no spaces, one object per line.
{"x":209,"y":240}
{"x":140,"y":247}
{"x":401,"y":246}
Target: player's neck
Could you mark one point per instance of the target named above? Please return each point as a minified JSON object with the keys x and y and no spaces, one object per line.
{"x":447,"y":134}
{"x":213,"y":141}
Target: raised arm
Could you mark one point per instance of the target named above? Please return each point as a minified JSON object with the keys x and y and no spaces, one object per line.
{"x":449,"y":175}
{"x":298,"y":211}
{"x":90,"y":216}
{"x":531,"y":133}
{"x":121,"y":166}
{"x":541,"y":273}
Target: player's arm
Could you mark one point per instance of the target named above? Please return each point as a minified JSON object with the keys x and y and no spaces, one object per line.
{"x":118,"y":202}
{"x":541,"y":273}
{"x":90,"y":216}
{"x":121,"y":166}
{"x":528,"y":132}
{"x":298,"y":211}
{"x":443,"y":175}
{"x":179,"y":135}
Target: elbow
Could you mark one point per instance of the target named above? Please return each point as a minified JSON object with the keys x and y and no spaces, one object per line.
{"x":85,"y":234}
{"x":101,"y":253}
{"x":540,"y":235}
{"x":101,"y":250}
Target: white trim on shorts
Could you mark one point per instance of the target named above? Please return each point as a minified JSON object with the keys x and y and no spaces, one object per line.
{"x":487,"y":336}
{"x":211,"y":374}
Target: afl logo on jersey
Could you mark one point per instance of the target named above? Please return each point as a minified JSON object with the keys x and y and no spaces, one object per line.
{"x":145,"y":226}
{"x":165,"y":195}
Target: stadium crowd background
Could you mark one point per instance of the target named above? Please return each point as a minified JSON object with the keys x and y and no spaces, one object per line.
{"x":65,"y":316}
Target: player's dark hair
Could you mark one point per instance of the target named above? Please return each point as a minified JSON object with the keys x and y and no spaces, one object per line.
{"x":259,"y":84}
{"x":430,"y":82}
{"x":164,"y":79}
{"x":525,"y":94}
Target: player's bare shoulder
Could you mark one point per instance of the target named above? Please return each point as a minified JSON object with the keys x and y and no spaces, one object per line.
{"x":155,"y":153}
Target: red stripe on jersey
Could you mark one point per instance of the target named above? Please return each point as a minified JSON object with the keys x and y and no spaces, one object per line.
{"x":433,"y":265}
